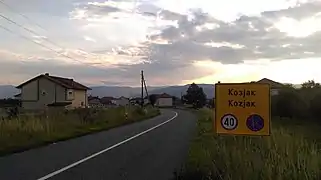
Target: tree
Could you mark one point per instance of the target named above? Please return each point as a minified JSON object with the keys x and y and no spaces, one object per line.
{"x":195,"y":96}
{"x":310,"y":84}
{"x":289,"y":103}
{"x":315,"y":106}
{"x":289,"y":85}
{"x":211,"y":103}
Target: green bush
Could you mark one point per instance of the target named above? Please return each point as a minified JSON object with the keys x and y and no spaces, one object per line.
{"x":315,"y":106}
{"x":289,"y":103}
{"x":302,"y":103}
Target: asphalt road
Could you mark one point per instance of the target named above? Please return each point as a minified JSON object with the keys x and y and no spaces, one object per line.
{"x":150,"y":150}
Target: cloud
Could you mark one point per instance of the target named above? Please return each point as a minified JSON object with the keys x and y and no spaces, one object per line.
{"x":246,"y":38}
{"x":299,"y":12}
{"x":87,"y":38}
{"x":112,"y":41}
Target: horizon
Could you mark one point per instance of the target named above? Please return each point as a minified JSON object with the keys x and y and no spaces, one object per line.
{"x":126,"y":86}
{"x":109,"y":42}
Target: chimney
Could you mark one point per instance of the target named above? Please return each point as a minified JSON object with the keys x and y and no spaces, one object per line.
{"x":47,"y":74}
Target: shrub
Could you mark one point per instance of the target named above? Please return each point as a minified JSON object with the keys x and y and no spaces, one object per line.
{"x":303,"y":103}
{"x":315,"y":106}
{"x":289,"y":103}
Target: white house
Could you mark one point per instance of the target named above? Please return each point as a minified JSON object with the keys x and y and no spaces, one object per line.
{"x":45,"y":91}
{"x":164,"y":100}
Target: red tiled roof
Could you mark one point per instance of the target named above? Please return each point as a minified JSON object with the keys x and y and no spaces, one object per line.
{"x":272,"y":83}
{"x":65,"y":82}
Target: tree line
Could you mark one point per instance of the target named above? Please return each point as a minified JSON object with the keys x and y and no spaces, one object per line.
{"x":301,"y":103}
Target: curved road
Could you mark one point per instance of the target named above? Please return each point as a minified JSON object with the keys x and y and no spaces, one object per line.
{"x":151,"y":149}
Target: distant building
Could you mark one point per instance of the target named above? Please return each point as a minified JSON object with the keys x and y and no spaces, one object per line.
{"x":275,"y":86}
{"x":164,"y":100}
{"x":94,"y":101}
{"x":45,"y":90}
{"x":108,"y":101}
{"x":122,"y":101}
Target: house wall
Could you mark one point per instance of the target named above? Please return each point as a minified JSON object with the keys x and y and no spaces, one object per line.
{"x":165,"y":102}
{"x":47,"y":91}
{"x":60,"y":93}
{"x":70,"y":94}
{"x":274,"y":92}
{"x":37,"y":94}
{"x":29,"y":92}
{"x":80,"y":99}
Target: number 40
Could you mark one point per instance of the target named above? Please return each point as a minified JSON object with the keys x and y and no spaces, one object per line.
{"x":229,"y":121}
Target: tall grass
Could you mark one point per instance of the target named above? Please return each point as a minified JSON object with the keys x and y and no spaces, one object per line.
{"x":28,"y":131}
{"x":291,"y":152}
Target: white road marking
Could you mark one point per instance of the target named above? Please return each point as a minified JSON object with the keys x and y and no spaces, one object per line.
{"x":105,"y":150}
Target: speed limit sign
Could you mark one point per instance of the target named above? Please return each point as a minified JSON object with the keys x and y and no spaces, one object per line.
{"x":229,"y":122}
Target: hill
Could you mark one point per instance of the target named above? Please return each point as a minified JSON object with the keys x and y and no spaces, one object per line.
{"x":180,"y":90}
{"x":7,"y":91}
{"x":117,"y":91}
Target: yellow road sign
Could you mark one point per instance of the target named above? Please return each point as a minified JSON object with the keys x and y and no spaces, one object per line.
{"x":242,"y":109}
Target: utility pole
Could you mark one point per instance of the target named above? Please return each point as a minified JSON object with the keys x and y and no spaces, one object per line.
{"x":142,"y":81}
{"x":146,"y":88}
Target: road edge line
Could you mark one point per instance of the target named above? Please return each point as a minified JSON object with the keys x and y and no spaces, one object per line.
{"x":105,"y":150}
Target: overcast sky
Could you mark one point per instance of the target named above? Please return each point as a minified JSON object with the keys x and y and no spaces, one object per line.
{"x":173,"y":41}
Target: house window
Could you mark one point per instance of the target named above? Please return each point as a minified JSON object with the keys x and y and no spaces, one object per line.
{"x":82,"y":103}
{"x":70,"y":92}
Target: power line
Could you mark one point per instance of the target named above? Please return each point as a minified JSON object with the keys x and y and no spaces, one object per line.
{"x":39,"y":44}
{"x":26,"y":17}
{"x":36,"y":34}
{"x":46,"y":47}
{"x":29,"y":30}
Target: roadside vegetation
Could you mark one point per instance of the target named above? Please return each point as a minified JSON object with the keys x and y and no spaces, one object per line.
{"x":26,"y":131}
{"x":293,"y":151}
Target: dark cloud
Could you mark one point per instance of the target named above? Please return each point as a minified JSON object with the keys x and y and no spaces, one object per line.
{"x":145,"y":9}
{"x":256,"y":35}
{"x":95,"y":9}
{"x":298,"y":12}
{"x":156,"y":73}
{"x":172,"y":62}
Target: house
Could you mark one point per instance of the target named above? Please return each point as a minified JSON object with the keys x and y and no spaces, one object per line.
{"x":275,"y":86}
{"x":164,"y":100}
{"x":138,"y":100}
{"x":46,"y":90}
{"x":122,"y":101}
{"x":94,"y":101}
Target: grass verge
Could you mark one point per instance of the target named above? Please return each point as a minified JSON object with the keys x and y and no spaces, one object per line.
{"x":27,"y":132}
{"x":291,"y":152}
